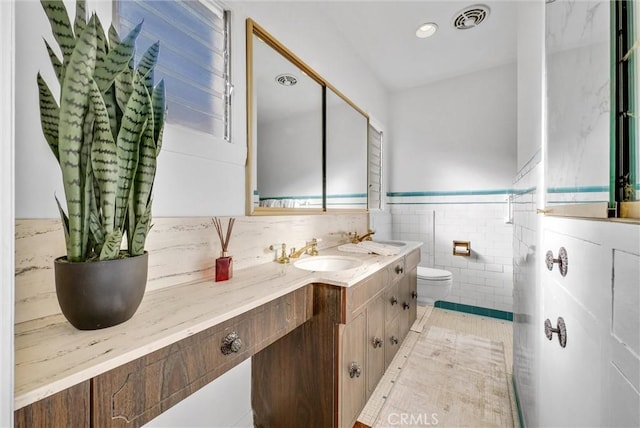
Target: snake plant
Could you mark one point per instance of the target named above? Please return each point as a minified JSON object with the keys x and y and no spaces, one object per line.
{"x":105,"y":132}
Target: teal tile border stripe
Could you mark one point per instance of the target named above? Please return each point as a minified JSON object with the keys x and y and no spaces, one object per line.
{"x":476,"y":310}
{"x":340,"y":196}
{"x":518,"y":407}
{"x":581,"y":189}
{"x":451,"y":193}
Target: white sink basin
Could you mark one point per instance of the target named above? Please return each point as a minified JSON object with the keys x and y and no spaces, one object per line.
{"x":328,"y":263}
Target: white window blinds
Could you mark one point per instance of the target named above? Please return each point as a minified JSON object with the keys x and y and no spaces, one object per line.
{"x":375,"y":168}
{"x":193,"y":59}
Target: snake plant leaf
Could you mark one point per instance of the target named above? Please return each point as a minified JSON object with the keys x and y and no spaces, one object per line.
{"x":60,"y":26}
{"x":102,"y":47}
{"x":159,"y":111}
{"x":117,"y":59}
{"x":110,"y":103}
{"x":49,"y":116}
{"x":114,"y":38}
{"x":146,"y":172}
{"x":87,"y":201}
{"x":141,"y":231}
{"x":74,"y":102}
{"x":111,"y":247}
{"x":96,"y":230}
{"x":147,"y":63}
{"x":124,"y":86}
{"x":81,"y":18}
{"x":65,"y":220}
{"x":55,"y":62}
{"x":134,"y":120}
{"x":104,"y":159}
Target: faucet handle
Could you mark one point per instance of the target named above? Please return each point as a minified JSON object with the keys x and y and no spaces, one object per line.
{"x":313,"y":249}
{"x":283,"y":258}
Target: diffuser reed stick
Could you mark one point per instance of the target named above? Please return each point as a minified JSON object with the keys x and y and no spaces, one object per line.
{"x":224,"y":239}
{"x":224,"y":263}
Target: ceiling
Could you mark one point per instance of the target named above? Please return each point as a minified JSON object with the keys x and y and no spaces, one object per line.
{"x":383,"y":34}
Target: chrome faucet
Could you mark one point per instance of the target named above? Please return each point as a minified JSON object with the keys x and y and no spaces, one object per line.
{"x":311,"y":248}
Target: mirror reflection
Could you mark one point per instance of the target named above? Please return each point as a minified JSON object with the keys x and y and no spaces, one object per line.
{"x":288,"y":132}
{"x":578,"y":103}
{"x":346,"y":154}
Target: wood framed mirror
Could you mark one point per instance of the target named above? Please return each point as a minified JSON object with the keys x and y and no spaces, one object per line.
{"x":306,"y":141}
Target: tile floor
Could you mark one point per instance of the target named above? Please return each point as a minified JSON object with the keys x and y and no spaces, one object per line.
{"x":485,"y":327}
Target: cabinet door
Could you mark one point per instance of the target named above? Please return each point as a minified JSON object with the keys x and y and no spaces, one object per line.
{"x":392,"y":342}
{"x":353,"y":370}
{"x":392,"y":301}
{"x":375,"y":343}
{"x":407,"y":307}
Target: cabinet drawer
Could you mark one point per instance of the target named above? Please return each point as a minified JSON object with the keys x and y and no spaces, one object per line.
{"x":396,"y":270}
{"x":135,"y":393}
{"x":68,"y":408}
{"x":412,"y":260}
{"x":362,"y":293}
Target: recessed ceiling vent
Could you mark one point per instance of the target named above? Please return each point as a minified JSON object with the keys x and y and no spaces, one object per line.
{"x":471,"y":17}
{"x":286,"y":79}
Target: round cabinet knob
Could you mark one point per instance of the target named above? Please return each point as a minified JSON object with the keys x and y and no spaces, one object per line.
{"x":354,"y":370}
{"x":231,"y":343}
{"x":377,"y":342}
{"x":405,"y":306}
{"x":394,"y":340}
{"x":414,"y":295}
{"x":393,"y":300}
{"x":561,"y":330}
{"x":399,"y":269}
{"x":562,"y":261}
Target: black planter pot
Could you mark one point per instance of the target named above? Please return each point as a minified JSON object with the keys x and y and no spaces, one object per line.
{"x":95,"y":295}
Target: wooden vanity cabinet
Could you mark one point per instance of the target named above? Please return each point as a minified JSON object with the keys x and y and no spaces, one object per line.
{"x":69,"y":408}
{"x":322,"y":374}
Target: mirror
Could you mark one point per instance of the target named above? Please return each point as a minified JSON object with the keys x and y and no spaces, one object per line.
{"x":306,"y":142}
{"x":346,"y":153}
{"x":288,"y":138}
{"x":578,"y":107}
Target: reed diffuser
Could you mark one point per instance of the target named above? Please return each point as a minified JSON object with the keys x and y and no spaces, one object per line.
{"x":224,"y":263}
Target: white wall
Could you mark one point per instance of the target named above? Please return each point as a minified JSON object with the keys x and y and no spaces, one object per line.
{"x":529,"y":194}
{"x":452,"y":139}
{"x":7,"y":245}
{"x":455,"y":134}
{"x":195,"y":176}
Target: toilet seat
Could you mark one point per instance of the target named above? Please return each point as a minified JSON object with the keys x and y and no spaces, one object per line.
{"x":433,"y":274}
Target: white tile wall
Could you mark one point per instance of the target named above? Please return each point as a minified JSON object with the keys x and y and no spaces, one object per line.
{"x":485,"y":278}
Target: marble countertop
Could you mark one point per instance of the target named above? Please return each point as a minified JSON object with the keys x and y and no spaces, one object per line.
{"x":51,"y":355}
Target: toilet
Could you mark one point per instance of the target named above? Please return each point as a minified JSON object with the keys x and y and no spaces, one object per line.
{"x":433,"y":285}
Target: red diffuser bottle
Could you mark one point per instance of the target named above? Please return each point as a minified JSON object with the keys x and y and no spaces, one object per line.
{"x":224,"y":263}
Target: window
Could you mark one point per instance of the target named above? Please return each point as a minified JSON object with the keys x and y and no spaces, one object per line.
{"x":194,"y":58}
{"x":375,"y":168}
{"x":627,"y":157}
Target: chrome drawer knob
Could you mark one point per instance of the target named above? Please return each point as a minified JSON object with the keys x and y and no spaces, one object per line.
{"x":377,"y":342}
{"x":394,"y":300}
{"x":354,"y":370}
{"x":399,"y":269}
{"x":414,"y":295}
{"x":562,"y":260}
{"x":231,"y":343}
{"x":561,"y":330}
{"x":394,"y":340}
{"x":405,"y":306}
